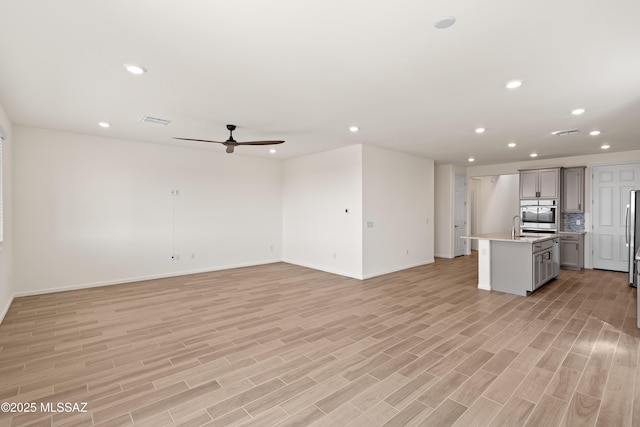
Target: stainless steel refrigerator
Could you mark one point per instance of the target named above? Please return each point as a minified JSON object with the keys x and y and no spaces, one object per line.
{"x":632,"y":236}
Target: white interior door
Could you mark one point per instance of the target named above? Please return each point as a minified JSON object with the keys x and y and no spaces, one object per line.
{"x":610,"y":187}
{"x":460,"y":215}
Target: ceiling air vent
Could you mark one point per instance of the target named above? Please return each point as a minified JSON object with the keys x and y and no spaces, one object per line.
{"x":155,"y":120}
{"x":564,"y":132}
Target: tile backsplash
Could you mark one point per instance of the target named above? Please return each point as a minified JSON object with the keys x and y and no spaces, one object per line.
{"x":569,"y":221}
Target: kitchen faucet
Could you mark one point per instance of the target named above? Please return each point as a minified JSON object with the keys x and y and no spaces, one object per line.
{"x":513,"y":226}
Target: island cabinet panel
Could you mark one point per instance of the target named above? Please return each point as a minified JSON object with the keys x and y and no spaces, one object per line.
{"x":519,"y":268}
{"x":511,"y":267}
{"x":540,"y":184}
{"x":572,"y":200}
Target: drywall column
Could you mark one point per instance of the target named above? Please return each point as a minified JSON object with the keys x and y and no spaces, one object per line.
{"x":6,"y":250}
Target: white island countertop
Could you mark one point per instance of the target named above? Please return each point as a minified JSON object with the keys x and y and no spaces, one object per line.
{"x":506,"y":237}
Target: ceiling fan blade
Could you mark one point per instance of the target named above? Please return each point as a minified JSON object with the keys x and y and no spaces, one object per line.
{"x":260,"y":142}
{"x":199,"y":140}
{"x":230,"y":148}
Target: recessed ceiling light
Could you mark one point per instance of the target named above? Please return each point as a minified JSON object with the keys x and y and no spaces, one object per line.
{"x":104,"y":125}
{"x":471,"y":159}
{"x":511,"y":144}
{"x":480,"y":130}
{"x":578,"y":111}
{"x":513,"y":84}
{"x":594,"y":133}
{"x":444,"y":22}
{"x":272,"y":151}
{"x":135,"y":69}
{"x":605,"y":146}
{"x":533,"y":155}
{"x":354,"y":128}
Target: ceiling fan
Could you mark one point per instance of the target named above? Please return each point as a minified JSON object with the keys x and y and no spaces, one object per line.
{"x":231,"y":143}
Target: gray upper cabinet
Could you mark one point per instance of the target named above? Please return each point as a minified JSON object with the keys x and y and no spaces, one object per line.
{"x":540,"y":184}
{"x":573,"y":189}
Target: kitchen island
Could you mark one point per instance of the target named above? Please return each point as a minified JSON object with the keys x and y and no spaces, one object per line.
{"x":518,"y":265}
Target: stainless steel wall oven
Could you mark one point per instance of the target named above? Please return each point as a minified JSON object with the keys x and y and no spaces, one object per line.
{"x":539,"y":216}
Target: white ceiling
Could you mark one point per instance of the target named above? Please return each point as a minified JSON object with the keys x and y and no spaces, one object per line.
{"x":305,"y":70}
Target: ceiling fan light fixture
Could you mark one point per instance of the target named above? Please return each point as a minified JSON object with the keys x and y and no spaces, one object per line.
{"x":231,"y":143}
{"x":273,"y":151}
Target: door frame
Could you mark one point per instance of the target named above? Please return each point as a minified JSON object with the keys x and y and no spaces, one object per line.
{"x":461,"y":229}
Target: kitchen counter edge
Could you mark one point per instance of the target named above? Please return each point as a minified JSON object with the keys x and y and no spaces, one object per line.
{"x":505,"y":237}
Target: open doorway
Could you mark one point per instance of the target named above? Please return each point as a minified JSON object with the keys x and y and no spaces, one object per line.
{"x":493,"y":202}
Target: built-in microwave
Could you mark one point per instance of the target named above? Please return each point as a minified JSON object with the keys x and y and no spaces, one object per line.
{"x":539,"y":216}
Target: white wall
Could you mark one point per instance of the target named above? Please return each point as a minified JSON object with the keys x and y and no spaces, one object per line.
{"x":318,"y":190}
{"x":92,"y":211}
{"x":7,"y":287}
{"x":497,"y":202}
{"x":398,"y":200}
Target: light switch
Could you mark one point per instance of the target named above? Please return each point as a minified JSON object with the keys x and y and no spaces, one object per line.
{"x":369,"y":224}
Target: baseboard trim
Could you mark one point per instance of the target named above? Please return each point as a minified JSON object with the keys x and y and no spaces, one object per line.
{"x":326,"y":270}
{"x":6,"y":308}
{"x":447,"y":256}
{"x":138,"y":279}
{"x":399,"y":268}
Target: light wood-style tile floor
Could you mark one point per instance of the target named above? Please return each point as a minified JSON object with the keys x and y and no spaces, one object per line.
{"x":285,"y":345}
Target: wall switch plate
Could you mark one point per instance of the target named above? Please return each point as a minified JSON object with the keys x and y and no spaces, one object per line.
{"x":369,"y":224}
{"x":578,"y":222}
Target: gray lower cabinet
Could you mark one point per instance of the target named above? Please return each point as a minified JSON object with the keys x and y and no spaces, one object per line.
{"x":520,"y":268}
{"x":572,"y":251}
